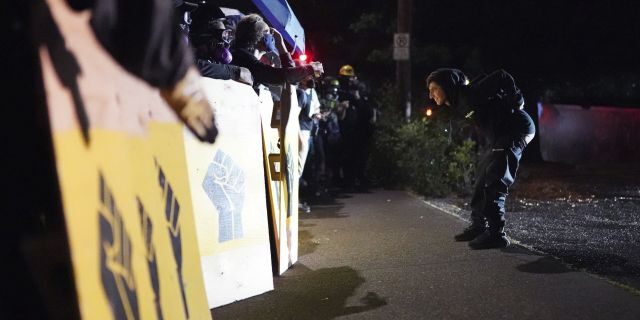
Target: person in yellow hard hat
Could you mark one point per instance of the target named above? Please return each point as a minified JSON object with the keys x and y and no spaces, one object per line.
{"x":347,"y":70}
{"x":349,"y":111}
{"x":347,"y":77}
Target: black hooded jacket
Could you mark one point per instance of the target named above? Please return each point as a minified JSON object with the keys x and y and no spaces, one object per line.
{"x":264,"y":74}
{"x":497,"y":105}
{"x":495,"y":100}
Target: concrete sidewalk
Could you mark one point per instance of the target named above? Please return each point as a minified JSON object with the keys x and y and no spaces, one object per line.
{"x":388,"y":255}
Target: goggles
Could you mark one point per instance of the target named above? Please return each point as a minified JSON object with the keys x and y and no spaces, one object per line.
{"x":226,"y":35}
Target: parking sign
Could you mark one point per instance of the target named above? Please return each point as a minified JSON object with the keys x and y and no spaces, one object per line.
{"x":401,"y":46}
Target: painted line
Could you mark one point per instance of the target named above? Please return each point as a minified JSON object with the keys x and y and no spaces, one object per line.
{"x":454,"y":213}
{"x":445,"y":210}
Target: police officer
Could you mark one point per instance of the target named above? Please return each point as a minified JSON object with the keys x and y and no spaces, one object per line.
{"x":496,"y":105}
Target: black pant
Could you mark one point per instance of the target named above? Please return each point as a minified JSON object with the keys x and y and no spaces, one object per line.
{"x":496,"y":173}
{"x":488,"y":205}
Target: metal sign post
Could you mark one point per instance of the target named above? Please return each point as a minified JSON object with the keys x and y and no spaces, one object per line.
{"x":401,"y":50}
{"x":401,"y":46}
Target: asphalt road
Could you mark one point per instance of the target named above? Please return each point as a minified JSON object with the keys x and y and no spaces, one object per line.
{"x":389,"y":255}
{"x":587,"y":216}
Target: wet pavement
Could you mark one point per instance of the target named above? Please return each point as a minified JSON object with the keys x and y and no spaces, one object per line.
{"x":587,"y":216}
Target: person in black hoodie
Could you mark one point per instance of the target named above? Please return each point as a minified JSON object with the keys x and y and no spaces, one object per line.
{"x":143,"y":37}
{"x":495,"y":104}
{"x":253,"y":39}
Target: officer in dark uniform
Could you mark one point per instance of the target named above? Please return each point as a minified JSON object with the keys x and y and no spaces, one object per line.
{"x":495,"y":104}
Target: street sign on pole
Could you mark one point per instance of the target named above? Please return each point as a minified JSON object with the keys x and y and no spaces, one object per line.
{"x":401,"y":46}
{"x":401,"y":54}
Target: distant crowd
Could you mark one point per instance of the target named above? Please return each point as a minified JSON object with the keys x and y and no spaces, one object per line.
{"x":336,"y":115}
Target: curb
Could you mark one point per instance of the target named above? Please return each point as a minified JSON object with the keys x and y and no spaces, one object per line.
{"x":454,"y":211}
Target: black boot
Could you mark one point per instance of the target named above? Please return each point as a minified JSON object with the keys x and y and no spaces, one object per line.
{"x":471,"y":232}
{"x":494,"y":237}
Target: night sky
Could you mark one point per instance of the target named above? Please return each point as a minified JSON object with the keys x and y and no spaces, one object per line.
{"x":581,"y":51}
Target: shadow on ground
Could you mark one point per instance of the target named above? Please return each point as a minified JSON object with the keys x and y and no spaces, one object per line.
{"x":323,"y":207}
{"x":588,"y":216}
{"x":612,"y":266}
{"x":544,"y":264}
{"x":306,"y":244}
{"x":303,"y":293}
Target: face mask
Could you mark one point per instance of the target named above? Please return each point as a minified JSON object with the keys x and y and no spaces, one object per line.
{"x":269,"y":43}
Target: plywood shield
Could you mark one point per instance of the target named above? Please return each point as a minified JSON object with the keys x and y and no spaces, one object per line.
{"x":119,"y":155}
{"x":229,"y":197}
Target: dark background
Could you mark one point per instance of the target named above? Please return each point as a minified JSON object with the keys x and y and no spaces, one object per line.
{"x":569,"y":51}
{"x":564,"y":51}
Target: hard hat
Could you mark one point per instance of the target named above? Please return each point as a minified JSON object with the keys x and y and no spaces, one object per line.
{"x":347,"y":70}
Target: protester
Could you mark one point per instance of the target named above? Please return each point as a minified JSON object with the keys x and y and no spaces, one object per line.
{"x":151,"y":47}
{"x":211,"y":39}
{"x":330,"y":132}
{"x":253,"y":39}
{"x":309,"y":111}
{"x":495,"y":104}
{"x":355,"y":120}
{"x":363,"y":134}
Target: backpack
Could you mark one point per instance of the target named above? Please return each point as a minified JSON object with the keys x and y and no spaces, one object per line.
{"x":497,"y":89}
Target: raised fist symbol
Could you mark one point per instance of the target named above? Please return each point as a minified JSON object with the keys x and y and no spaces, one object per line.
{"x":116,"y":268}
{"x":224,"y":184}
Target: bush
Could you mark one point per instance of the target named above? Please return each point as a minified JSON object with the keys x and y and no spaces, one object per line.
{"x":423,"y":155}
{"x":461,"y":169}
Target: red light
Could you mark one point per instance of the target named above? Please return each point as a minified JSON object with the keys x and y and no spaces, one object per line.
{"x":303,"y":57}
{"x":429,"y":112}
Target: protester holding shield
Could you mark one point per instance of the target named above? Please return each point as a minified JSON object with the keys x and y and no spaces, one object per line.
{"x":253,"y":39}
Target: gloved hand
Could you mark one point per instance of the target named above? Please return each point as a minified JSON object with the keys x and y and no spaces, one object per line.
{"x":188,"y":100}
{"x":318,"y":69}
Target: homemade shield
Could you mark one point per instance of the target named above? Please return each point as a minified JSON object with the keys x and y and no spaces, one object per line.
{"x":122,"y":173}
{"x":229,"y":197}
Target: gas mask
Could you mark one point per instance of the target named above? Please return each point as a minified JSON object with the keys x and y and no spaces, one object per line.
{"x":221,"y":53}
{"x":219,"y":47}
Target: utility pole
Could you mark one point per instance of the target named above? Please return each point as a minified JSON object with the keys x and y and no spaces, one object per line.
{"x":401,"y":53}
